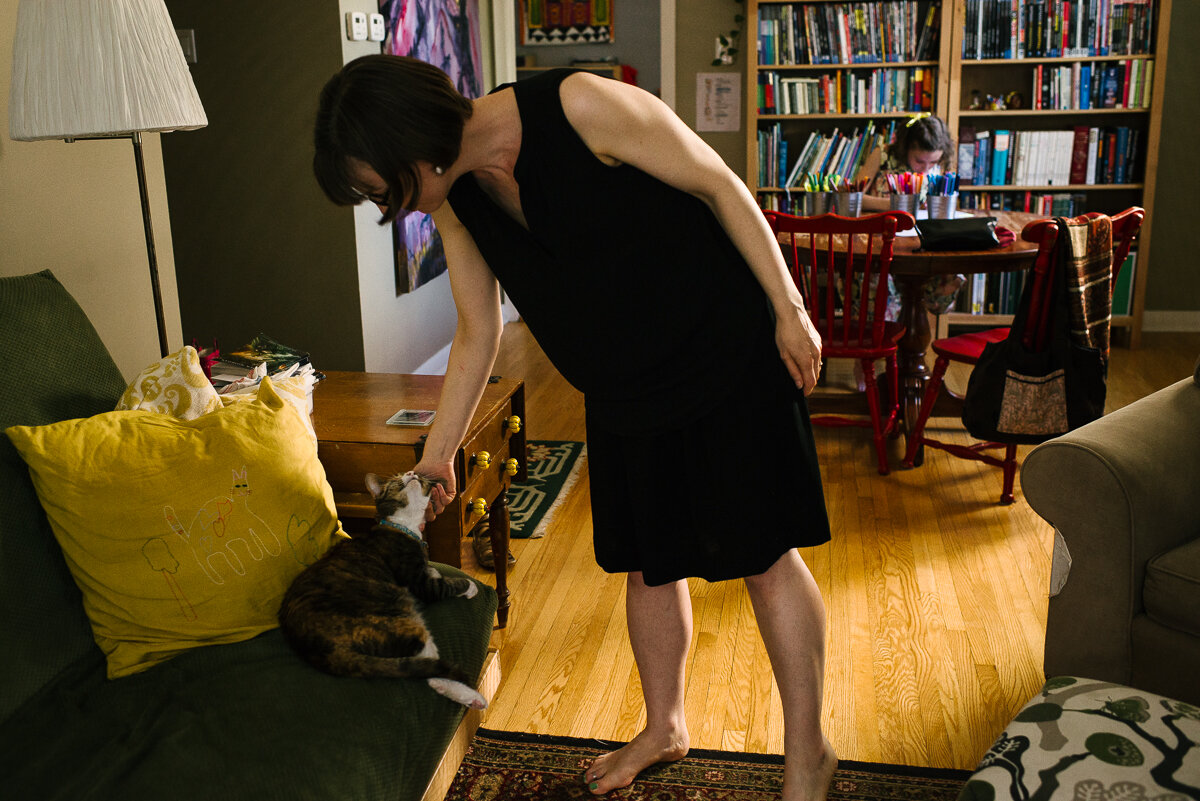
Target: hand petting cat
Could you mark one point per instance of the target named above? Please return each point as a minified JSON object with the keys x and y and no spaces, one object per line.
{"x":441,"y":495}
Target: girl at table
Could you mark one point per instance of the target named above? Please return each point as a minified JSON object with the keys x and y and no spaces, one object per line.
{"x":922,"y":146}
{"x":650,"y":277}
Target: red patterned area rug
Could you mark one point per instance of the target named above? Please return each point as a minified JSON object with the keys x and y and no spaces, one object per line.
{"x":506,"y":766}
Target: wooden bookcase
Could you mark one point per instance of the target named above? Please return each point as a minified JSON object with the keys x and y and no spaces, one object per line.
{"x":797,"y":127}
{"x":956,"y":78}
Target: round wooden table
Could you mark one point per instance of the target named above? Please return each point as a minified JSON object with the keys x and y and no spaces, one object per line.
{"x":911,"y":267}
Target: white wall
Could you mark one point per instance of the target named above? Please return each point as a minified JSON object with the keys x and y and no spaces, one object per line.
{"x":410,"y":332}
{"x":75,"y":210}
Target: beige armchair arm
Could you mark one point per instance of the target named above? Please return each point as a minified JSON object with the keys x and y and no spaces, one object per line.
{"x":1120,"y":491}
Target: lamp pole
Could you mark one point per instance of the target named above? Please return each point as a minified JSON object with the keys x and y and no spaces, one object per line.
{"x":151,"y":253}
{"x":136,"y":137}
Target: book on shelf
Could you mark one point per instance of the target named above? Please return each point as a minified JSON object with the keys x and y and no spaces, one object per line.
{"x":1082,"y":86}
{"x":1081,"y":155}
{"x":870,"y":32}
{"x":965,"y":164}
{"x":1111,"y":86}
{"x":1000,"y":142}
{"x":1045,"y":204}
{"x":929,"y":33}
{"x":1122,"y":296}
{"x":1120,"y":173}
{"x":883,"y":90}
{"x":835,"y":153}
{"x":983,"y":161}
{"x":1092,"y":142}
{"x":1056,"y":28}
{"x":978,"y":293}
{"x":990,"y":293}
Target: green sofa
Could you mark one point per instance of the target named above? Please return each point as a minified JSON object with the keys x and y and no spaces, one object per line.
{"x":248,"y":720}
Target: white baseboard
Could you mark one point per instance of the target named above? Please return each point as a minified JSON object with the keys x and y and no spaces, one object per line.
{"x":1171,"y":321}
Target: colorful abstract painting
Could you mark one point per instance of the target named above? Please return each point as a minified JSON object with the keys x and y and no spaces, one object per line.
{"x":565,"y":22}
{"x":444,"y":33}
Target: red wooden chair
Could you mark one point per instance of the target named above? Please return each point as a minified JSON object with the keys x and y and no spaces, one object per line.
{"x":967,"y":348}
{"x":845,"y":288}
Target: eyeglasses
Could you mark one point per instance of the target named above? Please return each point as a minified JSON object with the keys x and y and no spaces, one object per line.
{"x":380,"y":199}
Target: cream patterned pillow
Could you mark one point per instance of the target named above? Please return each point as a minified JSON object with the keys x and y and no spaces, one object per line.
{"x":176,"y":385}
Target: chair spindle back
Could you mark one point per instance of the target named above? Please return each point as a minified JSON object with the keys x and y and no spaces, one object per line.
{"x":841,"y":266}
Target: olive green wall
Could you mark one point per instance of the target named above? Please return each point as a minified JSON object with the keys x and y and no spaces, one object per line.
{"x":257,"y":246}
{"x":1174,"y":280}
{"x":697,"y":25}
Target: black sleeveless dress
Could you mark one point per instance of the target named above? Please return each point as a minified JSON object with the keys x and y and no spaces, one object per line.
{"x":699,"y":445}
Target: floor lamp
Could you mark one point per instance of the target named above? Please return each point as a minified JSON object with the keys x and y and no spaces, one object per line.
{"x":102,"y":69}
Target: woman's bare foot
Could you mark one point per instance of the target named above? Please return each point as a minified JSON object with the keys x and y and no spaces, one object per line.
{"x":811,"y":780}
{"x":619,"y":768}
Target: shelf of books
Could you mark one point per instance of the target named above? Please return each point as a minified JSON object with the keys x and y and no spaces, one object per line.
{"x":830,"y":82}
{"x":1056,"y":104}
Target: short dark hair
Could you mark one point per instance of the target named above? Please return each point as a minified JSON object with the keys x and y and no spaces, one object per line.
{"x":388,"y":112}
{"x":924,"y":133}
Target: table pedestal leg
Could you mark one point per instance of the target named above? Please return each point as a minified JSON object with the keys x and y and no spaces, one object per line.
{"x":498,"y":529}
{"x":913,"y":373}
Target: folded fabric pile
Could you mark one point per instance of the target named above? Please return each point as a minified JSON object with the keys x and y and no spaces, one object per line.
{"x":177,"y":386}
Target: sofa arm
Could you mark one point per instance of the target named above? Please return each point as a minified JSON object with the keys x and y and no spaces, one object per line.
{"x":1120,"y":490}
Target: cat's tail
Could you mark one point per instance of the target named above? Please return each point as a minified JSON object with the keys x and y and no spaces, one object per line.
{"x":459,"y":691}
{"x":445,"y":679}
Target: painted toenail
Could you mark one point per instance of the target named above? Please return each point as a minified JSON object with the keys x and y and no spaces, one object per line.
{"x":594,"y":786}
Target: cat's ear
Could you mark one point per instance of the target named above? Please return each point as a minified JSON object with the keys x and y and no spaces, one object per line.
{"x":375,"y":484}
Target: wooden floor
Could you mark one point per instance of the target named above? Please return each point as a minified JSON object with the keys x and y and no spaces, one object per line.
{"x":935,"y":596}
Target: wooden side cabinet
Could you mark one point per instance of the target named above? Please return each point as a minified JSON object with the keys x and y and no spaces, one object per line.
{"x":350,"y":412}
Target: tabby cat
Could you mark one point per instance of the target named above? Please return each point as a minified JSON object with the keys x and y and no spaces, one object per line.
{"x":353,"y":612}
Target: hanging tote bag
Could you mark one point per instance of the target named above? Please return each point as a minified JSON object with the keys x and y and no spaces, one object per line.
{"x":1019,"y":395}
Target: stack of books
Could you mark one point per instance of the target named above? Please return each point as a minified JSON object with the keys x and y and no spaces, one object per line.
{"x":243,"y":368}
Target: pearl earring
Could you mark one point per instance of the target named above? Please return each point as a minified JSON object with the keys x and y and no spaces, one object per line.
{"x":439,"y":170}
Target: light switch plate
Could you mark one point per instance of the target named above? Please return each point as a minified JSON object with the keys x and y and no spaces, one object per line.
{"x":187,"y":42}
{"x":356,"y":26}
{"x":378,"y":28}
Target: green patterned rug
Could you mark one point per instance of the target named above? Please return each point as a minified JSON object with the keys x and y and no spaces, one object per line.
{"x":505,"y":766}
{"x":553,"y":467}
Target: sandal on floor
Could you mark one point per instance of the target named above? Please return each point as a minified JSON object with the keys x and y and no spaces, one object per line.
{"x":481,"y":544}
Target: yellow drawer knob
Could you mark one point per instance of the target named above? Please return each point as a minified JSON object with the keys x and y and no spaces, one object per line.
{"x":511,"y":467}
{"x":479,"y":506}
{"x":482,"y":459}
{"x":513,"y":424}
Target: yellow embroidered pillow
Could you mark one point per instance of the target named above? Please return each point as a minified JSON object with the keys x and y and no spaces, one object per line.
{"x":176,"y":385}
{"x":181,"y":533}
{"x":295,"y":389}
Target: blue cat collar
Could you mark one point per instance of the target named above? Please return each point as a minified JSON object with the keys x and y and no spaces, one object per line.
{"x":403,"y":530}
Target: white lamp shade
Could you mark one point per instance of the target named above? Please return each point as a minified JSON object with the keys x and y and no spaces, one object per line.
{"x":96,"y":68}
